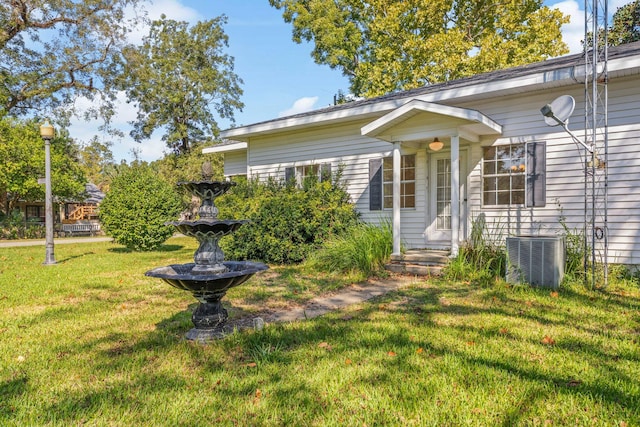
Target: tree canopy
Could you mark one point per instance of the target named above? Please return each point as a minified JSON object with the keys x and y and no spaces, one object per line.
{"x":56,"y":50}
{"x":22,"y":154}
{"x":626,"y":24}
{"x":97,"y":162}
{"x":178,"y":78}
{"x":386,"y":45}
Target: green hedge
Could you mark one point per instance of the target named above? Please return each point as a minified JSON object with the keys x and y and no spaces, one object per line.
{"x":287,"y":222}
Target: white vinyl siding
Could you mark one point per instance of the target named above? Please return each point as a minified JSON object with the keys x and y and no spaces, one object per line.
{"x":343,"y":146}
{"x":235,"y":163}
{"x":564,"y":169}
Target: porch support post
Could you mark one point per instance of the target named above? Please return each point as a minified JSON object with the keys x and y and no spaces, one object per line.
{"x":396,"y":197}
{"x":455,"y":194}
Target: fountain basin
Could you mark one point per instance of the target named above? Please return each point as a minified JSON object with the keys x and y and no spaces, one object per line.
{"x":207,"y":189}
{"x":207,"y":288}
{"x":208,"y":228}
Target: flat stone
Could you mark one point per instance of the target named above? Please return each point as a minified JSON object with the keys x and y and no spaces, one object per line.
{"x":354,"y":294}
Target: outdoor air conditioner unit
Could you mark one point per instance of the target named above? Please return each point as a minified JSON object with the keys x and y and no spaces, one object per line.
{"x":536,"y":260}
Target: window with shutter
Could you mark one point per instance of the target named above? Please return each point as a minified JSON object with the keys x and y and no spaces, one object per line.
{"x":381,"y":183}
{"x":514,"y":175}
{"x":289,"y":175}
{"x":503,"y":175}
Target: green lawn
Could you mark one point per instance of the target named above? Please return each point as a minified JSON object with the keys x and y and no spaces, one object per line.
{"x":92,"y":341}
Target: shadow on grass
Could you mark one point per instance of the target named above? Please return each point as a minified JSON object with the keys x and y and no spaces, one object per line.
{"x":284,"y":358}
{"x":162,"y":248}
{"x":10,"y":390}
{"x":75,"y":257}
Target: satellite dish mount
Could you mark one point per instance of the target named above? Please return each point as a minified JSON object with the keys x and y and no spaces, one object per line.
{"x":558,"y":113}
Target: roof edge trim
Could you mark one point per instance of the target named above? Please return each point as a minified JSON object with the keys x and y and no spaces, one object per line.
{"x":225,"y":148}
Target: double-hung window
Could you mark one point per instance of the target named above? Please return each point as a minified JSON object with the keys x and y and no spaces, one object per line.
{"x":35,"y":213}
{"x":514,"y":175}
{"x":299,"y":174}
{"x":381,"y":182}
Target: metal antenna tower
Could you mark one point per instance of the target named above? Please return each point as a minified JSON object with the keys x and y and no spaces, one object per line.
{"x":596,"y":136}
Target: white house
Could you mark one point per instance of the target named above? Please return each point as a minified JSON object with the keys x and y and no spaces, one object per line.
{"x":499,"y":160}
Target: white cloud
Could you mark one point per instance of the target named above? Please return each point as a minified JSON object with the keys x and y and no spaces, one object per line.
{"x":301,"y":105}
{"x":173,"y":9}
{"x":573,"y":32}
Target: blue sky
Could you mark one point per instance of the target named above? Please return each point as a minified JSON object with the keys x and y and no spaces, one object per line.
{"x":280,"y":77}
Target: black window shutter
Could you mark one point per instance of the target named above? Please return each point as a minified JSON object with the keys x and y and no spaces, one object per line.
{"x":375,"y":184}
{"x":289,"y":175}
{"x":536,"y":174}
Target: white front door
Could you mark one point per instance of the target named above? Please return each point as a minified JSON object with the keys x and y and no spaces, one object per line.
{"x":439,"y":215}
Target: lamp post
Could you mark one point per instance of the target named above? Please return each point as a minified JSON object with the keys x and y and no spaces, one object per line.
{"x":46,"y":132}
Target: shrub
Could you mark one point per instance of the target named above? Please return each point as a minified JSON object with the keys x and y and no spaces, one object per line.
{"x":286,"y":222}
{"x":135,"y":209}
{"x":15,"y":226}
{"x":364,"y":248}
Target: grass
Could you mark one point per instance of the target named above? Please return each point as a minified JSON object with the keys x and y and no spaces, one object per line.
{"x":365,"y":248}
{"x":92,"y":341}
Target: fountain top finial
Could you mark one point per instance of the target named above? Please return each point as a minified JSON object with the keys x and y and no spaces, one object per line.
{"x":207,"y":171}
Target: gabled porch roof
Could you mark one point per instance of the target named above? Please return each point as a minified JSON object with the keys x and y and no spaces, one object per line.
{"x":434,"y":120}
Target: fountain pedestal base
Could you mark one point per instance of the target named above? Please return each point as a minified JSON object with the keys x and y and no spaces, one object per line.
{"x":209,"y":319}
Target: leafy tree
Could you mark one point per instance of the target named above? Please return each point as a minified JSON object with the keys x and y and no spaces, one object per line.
{"x":626,"y":24}
{"x":97,"y":162}
{"x":53,"y":51}
{"x":179,"y":77}
{"x":174,"y":167}
{"x":388,"y":45}
{"x":136,"y":207}
{"x":22,"y":154}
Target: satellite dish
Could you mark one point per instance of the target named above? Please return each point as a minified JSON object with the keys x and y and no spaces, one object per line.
{"x":559,"y":111}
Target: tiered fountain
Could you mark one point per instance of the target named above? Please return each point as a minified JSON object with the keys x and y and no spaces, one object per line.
{"x":209,"y":277}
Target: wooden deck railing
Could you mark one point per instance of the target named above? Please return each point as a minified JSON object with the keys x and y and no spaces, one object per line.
{"x":83,"y":212}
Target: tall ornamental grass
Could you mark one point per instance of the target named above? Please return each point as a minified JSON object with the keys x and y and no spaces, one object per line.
{"x":482,"y":259}
{"x":365,"y":248}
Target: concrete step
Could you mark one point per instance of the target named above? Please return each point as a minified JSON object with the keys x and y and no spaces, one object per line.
{"x":419,"y":262}
{"x":415,"y":269}
{"x":422,"y":257}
